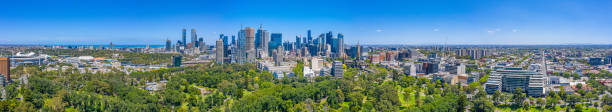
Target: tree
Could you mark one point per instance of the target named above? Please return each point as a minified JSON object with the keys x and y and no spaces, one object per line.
{"x":540,"y":102}
{"x":607,"y":108}
{"x":7,"y":105}
{"x":386,"y":98}
{"x":590,"y":96}
{"x":25,"y":107}
{"x":606,"y":100}
{"x":417,"y":95}
{"x":578,"y":108}
{"x":228,"y":88}
{"x":55,"y":104}
{"x":555,"y":100}
{"x":98,"y":87}
{"x":518,"y":97}
{"x":573,"y":99}
{"x":335,"y":98}
{"x":497,"y":97}
{"x":461,"y":102}
{"x":355,"y":101}
{"x":482,"y":105}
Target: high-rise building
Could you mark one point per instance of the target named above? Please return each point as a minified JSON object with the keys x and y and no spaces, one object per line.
{"x":250,"y":38}
{"x":168,"y":45}
{"x":322,"y":44}
{"x":176,"y":61}
{"x":275,"y":41}
{"x":202,"y":46}
{"x":358,"y":51}
{"x":241,"y":54}
{"x":328,"y":38}
{"x":220,"y":51}
{"x":338,"y":69}
{"x":278,"y":55}
{"x":226,"y":45}
{"x":404,"y":55}
{"x":250,"y":44}
{"x":194,"y":38}
{"x":297,"y":41}
{"x":225,"y":40}
{"x":5,"y":68}
{"x":354,"y":52}
{"x":430,"y":67}
{"x":261,"y":40}
{"x":221,"y":37}
{"x":340,"y":47}
{"x":233,"y":40}
{"x":309,"y":36}
{"x":178,"y":46}
{"x":184,"y":37}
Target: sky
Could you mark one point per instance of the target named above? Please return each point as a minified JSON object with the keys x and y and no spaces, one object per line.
{"x":412,"y":22}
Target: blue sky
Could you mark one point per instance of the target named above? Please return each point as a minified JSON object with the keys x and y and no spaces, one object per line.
{"x":369,"y":22}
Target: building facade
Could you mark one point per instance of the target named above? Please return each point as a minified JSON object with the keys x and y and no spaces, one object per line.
{"x":220,"y":51}
{"x":5,"y":68}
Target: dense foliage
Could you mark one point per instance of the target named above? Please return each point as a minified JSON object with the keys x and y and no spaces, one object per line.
{"x":242,"y":88}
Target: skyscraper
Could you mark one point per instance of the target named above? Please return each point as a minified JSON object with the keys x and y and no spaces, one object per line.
{"x":250,"y":43}
{"x":233,"y":40}
{"x":178,"y":46}
{"x":221,"y":36}
{"x":277,"y":54}
{"x":340,"y":46}
{"x":5,"y":68}
{"x":194,"y":37}
{"x":277,"y":39}
{"x":241,"y":58}
{"x":261,"y":40}
{"x":328,"y":38}
{"x":357,"y":52}
{"x":220,"y":51}
{"x":322,"y":43}
{"x":184,"y":41}
{"x":225,"y":40}
{"x":258,"y":37}
{"x":309,"y":36}
{"x":250,"y":38}
{"x":226,"y":45}
{"x":297,"y":41}
{"x":168,"y":45}
{"x":201,"y":44}
{"x":334,"y":44}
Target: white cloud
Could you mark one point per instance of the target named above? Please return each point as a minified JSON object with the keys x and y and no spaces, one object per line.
{"x":493,"y":31}
{"x":514,"y":30}
{"x":379,"y":30}
{"x":436,"y":29}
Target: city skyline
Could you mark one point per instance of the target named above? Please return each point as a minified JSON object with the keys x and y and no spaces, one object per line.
{"x":388,"y":22}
